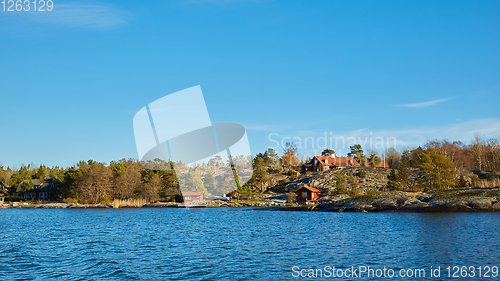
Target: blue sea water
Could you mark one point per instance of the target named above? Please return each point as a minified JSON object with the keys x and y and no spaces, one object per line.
{"x":237,"y":244}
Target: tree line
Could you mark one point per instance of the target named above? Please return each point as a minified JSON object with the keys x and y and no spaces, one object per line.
{"x":94,"y":182}
{"x":442,"y":164}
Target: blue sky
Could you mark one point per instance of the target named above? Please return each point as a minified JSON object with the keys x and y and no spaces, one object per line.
{"x":72,"y":79}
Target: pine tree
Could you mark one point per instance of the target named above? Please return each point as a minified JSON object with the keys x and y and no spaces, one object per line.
{"x":259,"y":173}
{"x":393,"y":183}
{"x":340,"y":182}
{"x":357,"y":153}
{"x":403,"y":174}
{"x":438,"y":167}
{"x":40,"y":174}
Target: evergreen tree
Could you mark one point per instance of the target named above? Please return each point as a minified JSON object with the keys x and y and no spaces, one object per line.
{"x":40,"y":174}
{"x":438,"y":167}
{"x":373,"y":159}
{"x":193,"y":182}
{"x":340,"y":182}
{"x":357,"y":153}
{"x":327,"y":152}
{"x":260,"y":175}
{"x":403,"y":174}
{"x":209,"y":182}
{"x":27,"y":185}
{"x":393,"y":183}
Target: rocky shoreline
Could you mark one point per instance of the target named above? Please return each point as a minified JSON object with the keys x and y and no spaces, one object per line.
{"x":454,"y":200}
{"x":457,"y":200}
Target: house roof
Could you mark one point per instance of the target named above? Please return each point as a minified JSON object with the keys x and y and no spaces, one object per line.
{"x":310,"y":188}
{"x":192,"y":193}
{"x":380,"y":165}
{"x":337,"y":161}
{"x":45,"y":184}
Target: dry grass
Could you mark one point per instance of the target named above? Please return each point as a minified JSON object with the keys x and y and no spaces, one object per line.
{"x":487,"y":184}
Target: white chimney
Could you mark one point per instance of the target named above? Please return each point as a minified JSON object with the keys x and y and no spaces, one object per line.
{"x":332,"y":155}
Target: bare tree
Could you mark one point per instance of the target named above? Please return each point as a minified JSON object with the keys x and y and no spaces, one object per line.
{"x":478,"y":149}
{"x":127,"y":183}
{"x":94,"y":182}
{"x":393,"y":158}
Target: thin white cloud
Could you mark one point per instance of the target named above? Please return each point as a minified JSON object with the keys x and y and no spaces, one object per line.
{"x":380,"y":140}
{"x":425,"y":104}
{"x":464,"y":131}
{"x":96,"y":15}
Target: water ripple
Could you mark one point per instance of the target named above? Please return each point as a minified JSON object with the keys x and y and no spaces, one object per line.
{"x":228,"y":244}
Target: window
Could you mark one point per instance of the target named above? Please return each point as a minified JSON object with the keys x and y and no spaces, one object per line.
{"x":188,"y":198}
{"x":304,"y":194}
{"x":43,"y":194}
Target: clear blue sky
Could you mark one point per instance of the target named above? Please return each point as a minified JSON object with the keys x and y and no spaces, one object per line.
{"x":72,"y":79}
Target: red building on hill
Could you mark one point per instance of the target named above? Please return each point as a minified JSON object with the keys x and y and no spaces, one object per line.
{"x":308,"y":193}
{"x":325,"y":163}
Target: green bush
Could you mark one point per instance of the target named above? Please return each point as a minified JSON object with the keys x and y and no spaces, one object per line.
{"x":362,"y":174}
{"x":475,"y":181}
{"x":283,"y":181}
{"x":341,"y":190}
{"x":12,"y":199}
{"x":462,"y":182}
{"x":105,"y":199}
{"x":177,"y":198}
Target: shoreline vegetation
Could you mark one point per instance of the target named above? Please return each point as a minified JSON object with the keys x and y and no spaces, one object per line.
{"x":458,"y":200}
{"x":439,"y":176}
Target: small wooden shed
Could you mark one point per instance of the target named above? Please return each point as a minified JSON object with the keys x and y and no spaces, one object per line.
{"x":308,"y":193}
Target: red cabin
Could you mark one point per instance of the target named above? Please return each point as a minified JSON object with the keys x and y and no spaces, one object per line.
{"x":193,"y":196}
{"x":308,"y":193}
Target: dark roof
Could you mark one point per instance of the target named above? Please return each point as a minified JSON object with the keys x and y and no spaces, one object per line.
{"x":310,"y":188}
{"x":337,"y":161}
{"x":45,"y":184}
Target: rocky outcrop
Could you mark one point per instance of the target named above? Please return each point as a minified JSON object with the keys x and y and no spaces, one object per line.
{"x":461,"y":200}
{"x":373,"y":179}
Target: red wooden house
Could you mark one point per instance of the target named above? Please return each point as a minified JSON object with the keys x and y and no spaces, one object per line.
{"x":325,"y":163}
{"x":308,"y":193}
{"x":193,"y":196}
{"x":41,"y":189}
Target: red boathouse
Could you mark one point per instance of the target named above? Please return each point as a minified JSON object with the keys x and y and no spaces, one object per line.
{"x":308,"y":193}
{"x":193,"y":196}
